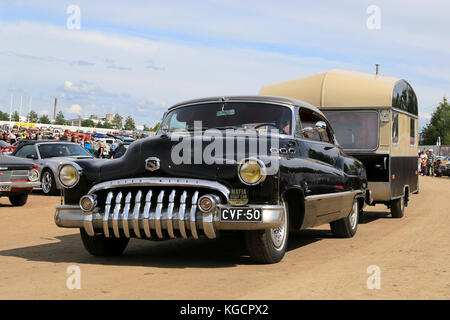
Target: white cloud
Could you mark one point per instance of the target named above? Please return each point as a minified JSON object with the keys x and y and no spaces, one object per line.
{"x":74,"y":109}
{"x":424,"y":116}
{"x":43,"y":112}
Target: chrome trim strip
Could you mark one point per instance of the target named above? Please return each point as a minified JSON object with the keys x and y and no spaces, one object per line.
{"x":332,"y":195}
{"x":24,"y":185}
{"x":146,"y":215}
{"x":158,"y":212}
{"x":169,"y":217}
{"x":168,"y":182}
{"x":126,"y":209}
{"x":115,"y":218}
{"x":106,"y":215}
{"x":181,"y":213}
{"x":136,"y":210}
{"x":192,"y":216}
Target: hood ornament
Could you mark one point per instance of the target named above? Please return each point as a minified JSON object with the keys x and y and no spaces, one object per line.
{"x":152,"y":163}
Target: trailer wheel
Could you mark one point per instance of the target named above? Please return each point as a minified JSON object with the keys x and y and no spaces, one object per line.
{"x":398,"y":208}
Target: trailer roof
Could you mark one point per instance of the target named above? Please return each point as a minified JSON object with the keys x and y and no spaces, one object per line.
{"x":337,"y":88}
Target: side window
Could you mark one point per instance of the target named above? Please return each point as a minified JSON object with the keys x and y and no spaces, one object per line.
{"x":26,"y":151}
{"x":395,"y":127}
{"x":307,"y":127}
{"x":412,"y":132}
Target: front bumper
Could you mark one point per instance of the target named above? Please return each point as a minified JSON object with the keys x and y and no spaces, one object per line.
{"x":143,"y":225}
{"x":20,"y":184}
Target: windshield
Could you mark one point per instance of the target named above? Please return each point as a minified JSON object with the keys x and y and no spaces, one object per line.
{"x":355,"y":129}
{"x":51,"y":150}
{"x":231,"y":115}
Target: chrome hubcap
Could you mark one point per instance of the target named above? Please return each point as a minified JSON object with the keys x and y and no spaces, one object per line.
{"x":354,"y":215}
{"x":278,"y":234}
{"x":46,"y":182}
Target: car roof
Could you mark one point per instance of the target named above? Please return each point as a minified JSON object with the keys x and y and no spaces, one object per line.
{"x":252,"y":98}
{"x":47,"y":141}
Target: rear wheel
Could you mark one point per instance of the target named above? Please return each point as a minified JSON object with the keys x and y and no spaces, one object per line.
{"x":99,"y":245}
{"x":346,"y":227}
{"x":269,"y":246}
{"x":18,"y":200}
{"x":397,"y":208}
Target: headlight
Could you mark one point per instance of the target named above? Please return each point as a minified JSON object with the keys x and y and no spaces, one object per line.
{"x":251,"y":171}
{"x":33,"y":175}
{"x":69,"y":175}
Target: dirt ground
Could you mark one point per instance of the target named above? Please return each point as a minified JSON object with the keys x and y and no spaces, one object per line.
{"x":412,"y":255}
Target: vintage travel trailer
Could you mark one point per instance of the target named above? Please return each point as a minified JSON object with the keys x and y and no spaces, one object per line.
{"x":375,"y":119}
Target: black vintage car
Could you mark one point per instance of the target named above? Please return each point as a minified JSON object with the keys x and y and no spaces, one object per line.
{"x":18,"y":177}
{"x":258,"y":164}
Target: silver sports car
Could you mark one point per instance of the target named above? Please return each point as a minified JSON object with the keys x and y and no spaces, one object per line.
{"x":48,"y":154}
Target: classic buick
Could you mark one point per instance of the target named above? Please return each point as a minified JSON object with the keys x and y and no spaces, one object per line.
{"x":17,"y":179}
{"x":258,"y":164}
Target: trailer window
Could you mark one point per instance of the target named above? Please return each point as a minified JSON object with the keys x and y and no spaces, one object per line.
{"x":357,"y":130}
{"x":412,"y":131}
{"x":395,"y":127}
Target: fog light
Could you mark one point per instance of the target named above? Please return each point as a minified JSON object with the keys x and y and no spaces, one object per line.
{"x":88,"y":203}
{"x":208,"y":203}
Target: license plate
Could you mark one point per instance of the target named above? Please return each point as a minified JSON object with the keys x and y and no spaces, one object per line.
{"x":241,"y":214}
{"x":5,"y":188}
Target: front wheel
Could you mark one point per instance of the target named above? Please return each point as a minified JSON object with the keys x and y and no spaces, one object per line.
{"x":346,"y":227}
{"x":18,"y":200}
{"x":99,"y":245}
{"x":397,"y":208}
{"x":48,"y":183}
{"x":269,"y":246}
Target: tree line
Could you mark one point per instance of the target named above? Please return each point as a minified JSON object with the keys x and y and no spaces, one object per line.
{"x":116,"y":123}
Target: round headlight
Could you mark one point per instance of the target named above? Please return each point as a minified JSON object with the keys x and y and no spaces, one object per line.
{"x":252,"y":171}
{"x":69,"y":175}
{"x":33,"y":175}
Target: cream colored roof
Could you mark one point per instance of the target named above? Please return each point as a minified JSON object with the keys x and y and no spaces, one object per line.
{"x":337,"y":88}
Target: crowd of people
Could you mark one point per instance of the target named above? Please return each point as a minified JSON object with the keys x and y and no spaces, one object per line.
{"x":95,"y":146}
{"x":427,"y":161}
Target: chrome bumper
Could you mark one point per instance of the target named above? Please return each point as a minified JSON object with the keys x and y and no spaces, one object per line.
{"x":142,"y":224}
{"x":21,"y":184}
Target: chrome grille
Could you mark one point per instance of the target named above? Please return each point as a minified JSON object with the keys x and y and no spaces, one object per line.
{"x":14,"y":175}
{"x":159,"y":212}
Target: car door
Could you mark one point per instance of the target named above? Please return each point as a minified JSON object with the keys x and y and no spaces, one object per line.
{"x":324,"y":179}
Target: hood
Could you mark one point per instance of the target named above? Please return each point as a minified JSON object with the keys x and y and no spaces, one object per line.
{"x":185,"y":156}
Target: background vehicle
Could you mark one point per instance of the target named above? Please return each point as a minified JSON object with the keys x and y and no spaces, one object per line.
{"x":376,"y":121}
{"x":6,"y":148}
{"x":18,"y":177}
{"x":47,"y":155}
{"x":298,"y":179}
{"x":440,"y":165}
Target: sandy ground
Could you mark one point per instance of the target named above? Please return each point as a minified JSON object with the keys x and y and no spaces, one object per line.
{"x":412,"y":254}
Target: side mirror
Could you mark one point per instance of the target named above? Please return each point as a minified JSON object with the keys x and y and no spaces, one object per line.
{"x":321,"y":126}
{"x":308,"y":132}
{"x":31,"y":156}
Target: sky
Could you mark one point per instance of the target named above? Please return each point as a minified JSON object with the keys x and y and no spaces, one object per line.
{"x":138,"y":58}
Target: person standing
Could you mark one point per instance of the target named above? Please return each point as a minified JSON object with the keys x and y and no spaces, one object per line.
{"x":430,"y":162}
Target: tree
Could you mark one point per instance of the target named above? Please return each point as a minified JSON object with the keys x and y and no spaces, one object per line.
{"x":15,"y":116}
{"x":60,"y":118}
{"x":439,"y":125}
{"x":117,"y":121}
{"x":106,"y":125}
{"x":44,"y":119}
{"x":88,"y":123}
{"x":4,"y":116}
{"x":129,"y":124}
{"x":156,"y":127}
{"x":32,"y":117}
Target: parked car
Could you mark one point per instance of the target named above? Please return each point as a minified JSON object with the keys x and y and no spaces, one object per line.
{"x":18,"y":177}
{"x":120,"y":150}
{"x":47,"y":154}
{"x":442,"y":167}
{"x":6,"y":148}
{"x":299,"y":178}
